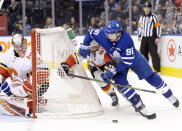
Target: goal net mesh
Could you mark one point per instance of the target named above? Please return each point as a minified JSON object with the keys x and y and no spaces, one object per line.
{"x":54,"y":96}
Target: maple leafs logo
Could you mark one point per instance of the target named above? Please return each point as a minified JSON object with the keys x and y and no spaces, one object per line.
{"x":171,"y":50}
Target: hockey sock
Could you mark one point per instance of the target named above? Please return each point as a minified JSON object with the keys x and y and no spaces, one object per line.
{"x":156,"y":81}
{"x":132,"y":96}
{"x":5,"y":88}
{"x":108,"y":89}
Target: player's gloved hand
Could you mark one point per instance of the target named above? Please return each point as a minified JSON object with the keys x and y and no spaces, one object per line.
{"x":64,"y":68}
{"x":108,"y":75}
{"x":84,"y":52}
{"x":12,"y":73}
{"x":115,"y":53}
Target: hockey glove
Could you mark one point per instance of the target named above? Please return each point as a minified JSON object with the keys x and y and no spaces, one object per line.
{"x":84,"y":52}
{"x":64,"y":68}
{"x":108,"y":75}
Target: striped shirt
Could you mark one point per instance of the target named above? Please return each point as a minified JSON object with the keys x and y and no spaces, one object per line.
{"x":149,"y":26}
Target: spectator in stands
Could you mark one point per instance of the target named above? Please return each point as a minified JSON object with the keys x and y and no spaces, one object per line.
{"x":48,"y":23}
{"x":18,"y":28}
{"x":159,"y":10}
{"x":27,"y":27}
{"x":178,"y":3}
{"x":136,"y":2}
{"x":116,"y":12}
{"x":124,"y":5}
{"x":168,"y":8}
{"x":169,"y":16}
{"x":102,"y":23}
{"x":69,"y":9}
{"x":66,"y":26}
{"x":111,"y":4}
{"x":163,"y":24}
{"x":13,"y":11}
{"x":74,"y":25}
{"x":118,"y":9}
{"x":93,"y":23}
{"x":179,"y":20}
{"x":135,"y":13}
{"x":159,"y":2}
{"x":175,"y":27}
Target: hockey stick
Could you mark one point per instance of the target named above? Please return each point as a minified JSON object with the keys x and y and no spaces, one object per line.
{"x":148,"y":116}
{"x":131,"y":87}
{"x":71,"y":36}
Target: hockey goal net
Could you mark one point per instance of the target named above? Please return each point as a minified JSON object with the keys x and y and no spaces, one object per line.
{"x":55,"y":96}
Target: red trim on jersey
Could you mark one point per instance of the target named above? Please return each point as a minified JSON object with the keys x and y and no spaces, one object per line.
{"x":71,"y":61}
{"x":107,"y":58}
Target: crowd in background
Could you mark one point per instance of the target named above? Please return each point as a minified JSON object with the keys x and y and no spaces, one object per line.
{"x":38,"y":14}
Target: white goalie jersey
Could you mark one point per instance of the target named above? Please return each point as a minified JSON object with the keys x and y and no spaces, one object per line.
{"x":17,"y":75}
{"x":22,"y":66}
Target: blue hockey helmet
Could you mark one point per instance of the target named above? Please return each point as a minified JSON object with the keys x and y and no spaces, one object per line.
{"x":113,"y":27}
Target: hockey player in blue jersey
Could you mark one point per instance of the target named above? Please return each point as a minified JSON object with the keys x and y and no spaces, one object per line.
{"x":119,"y":45}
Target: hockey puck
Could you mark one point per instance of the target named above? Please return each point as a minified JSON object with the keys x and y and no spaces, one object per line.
{"x":115,"y":121}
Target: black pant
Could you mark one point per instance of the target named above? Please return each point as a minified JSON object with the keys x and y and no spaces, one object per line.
{"x":148,"y":45}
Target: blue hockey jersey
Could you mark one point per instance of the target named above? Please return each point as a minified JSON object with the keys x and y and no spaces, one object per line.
{"x":130,"y":57}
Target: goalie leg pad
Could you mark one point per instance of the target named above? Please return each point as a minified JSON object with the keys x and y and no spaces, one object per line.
{"x":14,"y":106}
{"x":21,"y":88}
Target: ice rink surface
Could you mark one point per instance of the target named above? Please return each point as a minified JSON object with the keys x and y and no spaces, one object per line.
{"x":168,"y":118}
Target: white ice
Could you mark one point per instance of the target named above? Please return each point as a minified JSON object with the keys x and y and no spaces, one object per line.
{"x":168,"y":117}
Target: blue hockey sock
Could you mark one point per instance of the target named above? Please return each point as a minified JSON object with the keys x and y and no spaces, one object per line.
{"x":132,"y":96}
{"x":5,"y":87}
{"x":156,"y":81}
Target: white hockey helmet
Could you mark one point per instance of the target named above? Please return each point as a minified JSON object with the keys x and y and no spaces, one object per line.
{"x":17,"y":39}
{"x":94,"y":46}
{"x":19,"y":43}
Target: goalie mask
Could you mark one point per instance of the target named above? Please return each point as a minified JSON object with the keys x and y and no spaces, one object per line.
{"x":94,"y":46}
{"x":19,"y":43}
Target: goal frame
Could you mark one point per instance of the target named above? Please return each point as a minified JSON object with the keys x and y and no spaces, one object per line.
{"x":83,"y":109}
{"x":34,"y":77}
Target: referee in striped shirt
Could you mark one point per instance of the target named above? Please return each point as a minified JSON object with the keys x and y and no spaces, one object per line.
{"x":150,"y":31}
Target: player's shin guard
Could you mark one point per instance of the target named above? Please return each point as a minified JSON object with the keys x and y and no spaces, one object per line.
{"x":156,"y":81}
{"x":131,"y":96}
{"x":110,"y":91}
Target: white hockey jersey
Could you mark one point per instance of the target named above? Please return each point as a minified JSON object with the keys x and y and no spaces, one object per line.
{"x":99,"y":58}
{"x":21,"y":65}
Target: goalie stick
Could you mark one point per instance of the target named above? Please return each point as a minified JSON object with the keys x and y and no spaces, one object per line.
{"x":131,"y":87}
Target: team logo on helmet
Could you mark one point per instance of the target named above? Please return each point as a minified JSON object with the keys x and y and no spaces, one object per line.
{"x":113,"y":27}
